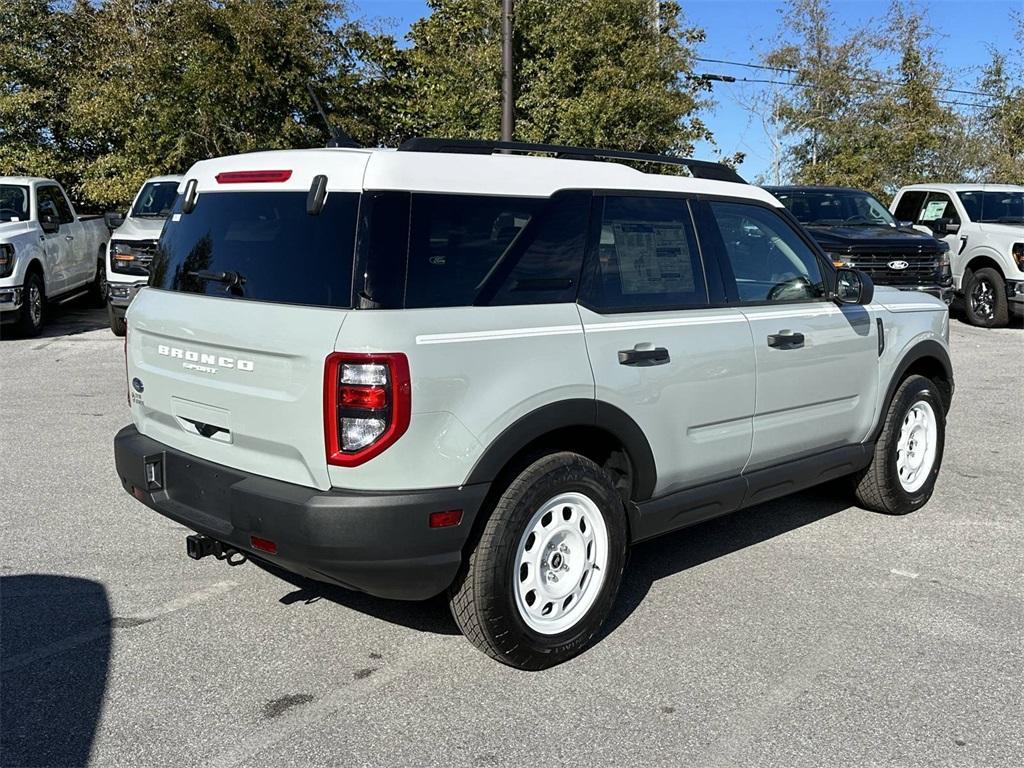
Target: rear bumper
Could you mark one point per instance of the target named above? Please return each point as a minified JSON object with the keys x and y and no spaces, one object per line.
{"x":374,"y":542}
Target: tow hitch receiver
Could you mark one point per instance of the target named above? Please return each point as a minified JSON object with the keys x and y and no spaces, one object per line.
{"x":198,"y":546}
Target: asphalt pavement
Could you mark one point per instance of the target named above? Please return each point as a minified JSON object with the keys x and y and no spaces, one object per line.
{"x":803,"y":632}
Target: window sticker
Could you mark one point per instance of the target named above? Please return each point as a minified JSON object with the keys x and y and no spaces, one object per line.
{"x":934,"y":210}
{"x":653,"y":257}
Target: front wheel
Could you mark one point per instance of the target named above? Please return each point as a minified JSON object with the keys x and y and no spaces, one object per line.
{"x":985,"y":299}
{"x":33,"y":306}
{"x":118,"y":324}
{"x":908,"y":454}
{"x":98,"y":287}
{"x":542,"y":578}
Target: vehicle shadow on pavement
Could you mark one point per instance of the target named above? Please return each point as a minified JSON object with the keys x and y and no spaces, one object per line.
{"x":690,"y":547}
{"x":424,"y":616}
{"x":55,"y":637}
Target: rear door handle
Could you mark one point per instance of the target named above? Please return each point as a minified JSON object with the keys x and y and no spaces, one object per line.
{"x":644,"y":357}
{"x":786,"y":339}
{"x":69,"y":237}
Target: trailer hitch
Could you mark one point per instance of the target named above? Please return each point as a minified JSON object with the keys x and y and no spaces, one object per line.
{"x":198,"y":546}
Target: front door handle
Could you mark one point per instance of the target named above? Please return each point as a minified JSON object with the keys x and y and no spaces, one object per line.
{"x":644,"y":357}
{"x":786,"y":339}
{"x":69,"y":237}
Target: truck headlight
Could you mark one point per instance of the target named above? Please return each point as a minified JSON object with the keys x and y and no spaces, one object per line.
{"x":126,"y":259}
{"x":840,"y":259}
{"x":6,"y":259}
{"x":1018,"y":255}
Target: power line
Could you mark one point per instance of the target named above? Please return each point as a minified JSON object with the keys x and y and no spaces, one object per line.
{"x":874,"y":81}
{"x":732,"y":79}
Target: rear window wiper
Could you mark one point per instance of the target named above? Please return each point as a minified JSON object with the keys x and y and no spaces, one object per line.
{"x":233,"y":280}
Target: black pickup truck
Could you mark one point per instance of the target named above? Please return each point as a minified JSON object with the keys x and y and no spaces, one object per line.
{"x":856,"y":230}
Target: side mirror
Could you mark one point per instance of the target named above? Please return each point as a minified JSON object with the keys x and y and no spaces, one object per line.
{"x":853,"y":287}
{"x":943,"y":227}
{"x":49,"y":223}
{"x":114,"y":219}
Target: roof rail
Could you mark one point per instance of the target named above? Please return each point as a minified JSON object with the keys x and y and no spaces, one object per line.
{"x":700,"y":169}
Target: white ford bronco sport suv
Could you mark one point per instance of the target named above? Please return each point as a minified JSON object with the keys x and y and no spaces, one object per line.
{"x":983,"y":224}
{"x":463,"y":366}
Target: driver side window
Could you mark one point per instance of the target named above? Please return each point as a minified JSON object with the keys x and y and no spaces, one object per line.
{"x":769,"y":260}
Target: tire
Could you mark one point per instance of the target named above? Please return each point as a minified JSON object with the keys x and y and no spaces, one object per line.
{"x":98,"y":287}
{"x":33,"y":306}
{"x":117,"y":322}
{"x":569,"y":507}
{"x":901,"y":478}
{"x":985,"y":302}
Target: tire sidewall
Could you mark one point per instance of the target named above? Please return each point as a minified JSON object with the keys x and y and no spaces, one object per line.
{"x":563,"y":478}
{"x":29,"y":328}
{"x":917,"y":390}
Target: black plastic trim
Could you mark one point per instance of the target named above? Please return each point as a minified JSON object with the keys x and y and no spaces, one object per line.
{"x":920,"y":351}
{"x":705,"y":502}
{"x":564,"y":414}
{"x":700,"y":169}
{"x":378,"y":542}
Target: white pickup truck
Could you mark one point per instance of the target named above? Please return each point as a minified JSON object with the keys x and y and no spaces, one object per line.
{"x":984,"y":227}
{"x":47,"y":252}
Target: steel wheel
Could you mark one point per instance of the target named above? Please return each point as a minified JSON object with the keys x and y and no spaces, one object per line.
{"x":915,"y":449}
{"x":560,"y":563}
{"x":983,"y":299}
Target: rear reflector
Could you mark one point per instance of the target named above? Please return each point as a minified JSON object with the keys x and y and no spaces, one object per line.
{"x":252,"y":177}
{"x":363,"y":397}
{"x":264,"y":545}
{"x":445,"y":519}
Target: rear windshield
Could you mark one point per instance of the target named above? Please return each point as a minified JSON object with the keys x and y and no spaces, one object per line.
{"x":261,"y":246}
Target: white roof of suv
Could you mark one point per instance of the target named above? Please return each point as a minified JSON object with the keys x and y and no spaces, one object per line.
{"x":355,"y":170}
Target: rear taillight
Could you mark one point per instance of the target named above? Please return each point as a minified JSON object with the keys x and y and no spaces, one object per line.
{"x":367,"y":404}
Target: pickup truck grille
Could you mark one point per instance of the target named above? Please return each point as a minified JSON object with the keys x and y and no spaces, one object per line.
{"x":921,"y":268}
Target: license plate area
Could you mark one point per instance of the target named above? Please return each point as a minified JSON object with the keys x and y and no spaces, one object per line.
{"x":200,"y":486}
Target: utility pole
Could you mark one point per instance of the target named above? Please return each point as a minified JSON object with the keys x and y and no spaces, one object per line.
{"x":508,"y":115}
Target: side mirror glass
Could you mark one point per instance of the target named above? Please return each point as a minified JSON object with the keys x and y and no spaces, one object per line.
{"x":853,"y":287}
{"x":114,"y":219}
{"x":49,"y":223}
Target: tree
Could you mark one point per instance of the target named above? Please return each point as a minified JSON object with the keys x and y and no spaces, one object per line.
{"x":1001,"y":129}
{"x":608,"y":73}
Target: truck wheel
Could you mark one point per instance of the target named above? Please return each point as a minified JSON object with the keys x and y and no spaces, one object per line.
{"x":985,"y":299}
{"x":98,"y":288}
{"x":545,"y":572}
{"x":905,"y":465}
{"x":117,"y":322}
{"x":33,"y":305}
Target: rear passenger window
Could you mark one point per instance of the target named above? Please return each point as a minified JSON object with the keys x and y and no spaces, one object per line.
{"x":647,"y":257}
{"x":455,"y":241}
{"x":769,"y":259}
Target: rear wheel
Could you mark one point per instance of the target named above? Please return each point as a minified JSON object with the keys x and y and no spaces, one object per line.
{"x":985,"y":299}
{"x":33,"y":305}
{"x":908,"y":454}
{"x":117,"y":322}
{"x":542,"y":578}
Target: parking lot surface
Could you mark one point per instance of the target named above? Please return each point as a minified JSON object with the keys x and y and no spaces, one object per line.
{"x":803,"y":632}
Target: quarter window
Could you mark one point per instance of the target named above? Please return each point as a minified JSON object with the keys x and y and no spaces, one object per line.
{"x":769,"y":259}
{"x":646,"y":257}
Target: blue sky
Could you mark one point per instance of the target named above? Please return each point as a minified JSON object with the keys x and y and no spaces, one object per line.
{"x":738,"y":30}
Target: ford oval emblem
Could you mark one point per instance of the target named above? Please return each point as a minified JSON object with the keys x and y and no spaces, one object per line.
{"x":137,"y":384}
{"x":898,"y":265}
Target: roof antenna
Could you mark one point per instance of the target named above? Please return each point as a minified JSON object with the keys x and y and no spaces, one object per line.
{"x":338,"y":137}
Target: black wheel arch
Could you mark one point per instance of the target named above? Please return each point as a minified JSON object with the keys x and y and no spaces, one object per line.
{"x":554,"y":423}
{"x":927,"y":358}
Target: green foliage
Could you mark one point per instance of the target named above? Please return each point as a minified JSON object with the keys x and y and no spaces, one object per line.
{"x":589,"y":72}
{"x":1002,"y":126}
{"x":849,"y":121}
